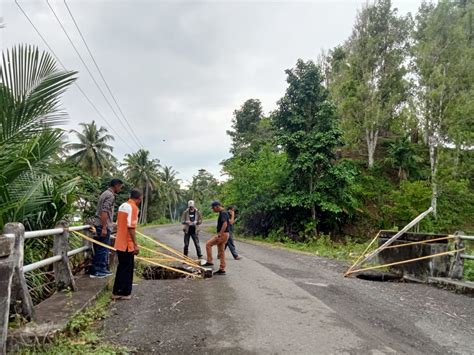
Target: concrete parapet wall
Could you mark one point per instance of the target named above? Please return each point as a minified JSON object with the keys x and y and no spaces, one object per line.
{"x":422,"y":269}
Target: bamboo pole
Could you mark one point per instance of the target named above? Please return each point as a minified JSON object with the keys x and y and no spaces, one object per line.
{"x":420,"y":242}
{"x":363,"y":254}
{"x":395,"y":237}
{"x":92,"y":240}
{"x":168,"y":267}
{"x":164,"y":246}
{"x":169,"y":256}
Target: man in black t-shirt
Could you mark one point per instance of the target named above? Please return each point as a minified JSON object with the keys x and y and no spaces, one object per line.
{"x":191,"y":220}
{"x":223,"y":226}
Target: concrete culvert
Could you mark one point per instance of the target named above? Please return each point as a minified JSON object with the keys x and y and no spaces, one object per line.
{"x":379,"y":276}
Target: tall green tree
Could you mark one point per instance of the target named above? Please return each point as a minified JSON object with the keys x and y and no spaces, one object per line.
{"x":245,"y":126}
{"x":368,"y":75}
{"x":31,"y":85}
{"x":93,"y":153}
{"x":171,"y":190}
{"x":204,"y":188}
{"x":143,"y":172}
{"x":307,"y":128}
{"x":443,"y":57}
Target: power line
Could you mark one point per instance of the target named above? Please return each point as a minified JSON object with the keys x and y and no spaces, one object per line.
{"x":77,"y":85}
{"x":100,"y":71}
{"x":88,"y":70}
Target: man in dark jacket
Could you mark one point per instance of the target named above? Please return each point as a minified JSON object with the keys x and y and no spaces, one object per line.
{"x":103,"y":224}
{"x":191,"y":220}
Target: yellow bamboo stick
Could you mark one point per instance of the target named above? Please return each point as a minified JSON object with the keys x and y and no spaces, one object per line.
{"x":420,"y":242}
{"x":172,"y":257}
{"x":155,"y":251}
{"x":164,"y":246}
{"x":406,"y":261}
{"x":168,"y":267}
{"x":158,"y":260}
{"x":363,"y":254}
{"x":92,"y":240}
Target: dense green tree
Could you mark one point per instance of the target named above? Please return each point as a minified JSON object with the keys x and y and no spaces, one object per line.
{"x":203,"y":189}
{"x":143,"y":172}
{"x":250,"y":129}
{"x":255,"y":186}
{"x":93,"y":153}
{"x":443,"y":58}
{"x":307,"y":129}
{"x":402,"y":156}
{"x":367,"y":78}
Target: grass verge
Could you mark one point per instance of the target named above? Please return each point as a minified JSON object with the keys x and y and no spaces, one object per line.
{"x":82,"y":334}
{"x":322,"y":246}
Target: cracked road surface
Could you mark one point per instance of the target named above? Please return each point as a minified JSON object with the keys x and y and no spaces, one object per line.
{"x":276,"y":301}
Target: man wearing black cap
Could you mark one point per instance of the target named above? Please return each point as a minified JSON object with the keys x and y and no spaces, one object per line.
{"x":223,"y":225}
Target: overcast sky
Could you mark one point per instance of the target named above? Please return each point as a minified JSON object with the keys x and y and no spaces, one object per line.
{"x":180,"y":68}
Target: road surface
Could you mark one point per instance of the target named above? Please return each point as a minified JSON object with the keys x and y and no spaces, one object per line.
{"x":276,"y":301}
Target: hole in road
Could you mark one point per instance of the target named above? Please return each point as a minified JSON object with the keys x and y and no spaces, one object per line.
{"x":379,"y":276}
{"x":159,"y":273}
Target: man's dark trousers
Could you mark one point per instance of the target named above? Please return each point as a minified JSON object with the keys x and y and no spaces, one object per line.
{"x":100,"y":261}
{"x":231,"y":245}
{"x":124,"y":276}
{"x":192,"y":234}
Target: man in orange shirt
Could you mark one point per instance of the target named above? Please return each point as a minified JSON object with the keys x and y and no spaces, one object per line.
{"x":126,"y":245}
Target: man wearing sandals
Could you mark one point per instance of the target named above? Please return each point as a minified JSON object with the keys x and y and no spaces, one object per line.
{"x":126,"y":246}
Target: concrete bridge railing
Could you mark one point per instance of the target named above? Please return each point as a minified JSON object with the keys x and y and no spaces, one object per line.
{"x":457,"y":268}
{"x":14,"y":294}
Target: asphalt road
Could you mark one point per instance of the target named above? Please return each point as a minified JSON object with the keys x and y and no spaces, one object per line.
{"x":276,"y":301}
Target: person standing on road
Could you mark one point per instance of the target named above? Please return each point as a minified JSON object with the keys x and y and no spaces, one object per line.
{"x":103,"y":224}
{"x":191,"y":220}
{"x":230,"y":243}
{"x":126,"y":246}
{"x":223,"y":225}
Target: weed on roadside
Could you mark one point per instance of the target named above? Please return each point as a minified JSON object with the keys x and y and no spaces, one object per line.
{"x":82,"y":334}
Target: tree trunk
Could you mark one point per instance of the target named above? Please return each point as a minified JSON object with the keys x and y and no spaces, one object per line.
{"x":313,"y":206}
{"x":140,"y":220}
{"x":371,"y":137}
{"x":457,"y":156}
{"x":433,"y":148}
{"x":171,"y":212}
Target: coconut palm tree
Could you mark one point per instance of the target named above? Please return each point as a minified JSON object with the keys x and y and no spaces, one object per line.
{"x":171,"y":189}
{"x":92,"y":153}
{"x":30,"y":89}
{"x":143,"y":172}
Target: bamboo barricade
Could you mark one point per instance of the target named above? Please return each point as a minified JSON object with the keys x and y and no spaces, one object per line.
{"x":364,"y":254}
{"x":92,"y":240}
{"x":164,"y":246}
{"x":405,"y":229}
{"x":406,"y":261}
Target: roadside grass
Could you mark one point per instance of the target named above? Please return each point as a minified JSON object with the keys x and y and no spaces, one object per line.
{"x":82,"y":334}
{"x":322,"y":246}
